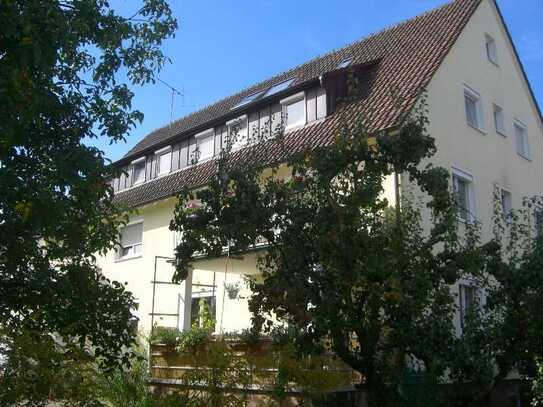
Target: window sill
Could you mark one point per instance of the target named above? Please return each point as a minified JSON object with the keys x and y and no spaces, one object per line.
{"x":477,"y":128}
{"x":525,"y":157}
{"x":205,"y":159}
{"x":127,"y":258}
{"x":493,"y":63}
{"x":470,"y":222}
{"x":294,"y":127}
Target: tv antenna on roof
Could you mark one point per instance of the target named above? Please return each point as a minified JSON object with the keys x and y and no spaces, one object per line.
{"x":174,"y":92}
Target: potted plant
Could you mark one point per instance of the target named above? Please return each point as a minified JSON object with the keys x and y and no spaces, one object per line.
{"x":232,"y":289}
{"x":165,"y":337}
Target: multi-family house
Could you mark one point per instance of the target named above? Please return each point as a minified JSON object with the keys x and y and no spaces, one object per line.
{"x":482,"y":112}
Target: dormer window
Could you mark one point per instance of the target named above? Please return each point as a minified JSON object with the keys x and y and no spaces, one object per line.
{"x":279,"y":87}
{"x":138,"y":172}
{"x":205,"y":143}
{"x":344,"y":64}
{"x":491,"y":50}
{"x":238,"y":132}
{"x":164,"y":161}
{"x":294,"y":110}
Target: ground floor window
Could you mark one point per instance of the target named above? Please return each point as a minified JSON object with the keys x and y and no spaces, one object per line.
{"x":468,"y":301}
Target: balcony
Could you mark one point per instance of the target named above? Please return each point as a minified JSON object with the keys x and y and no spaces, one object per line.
{"x":256,"y":371}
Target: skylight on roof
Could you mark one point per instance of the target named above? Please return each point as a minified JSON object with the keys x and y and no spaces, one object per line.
{"x":279,"y":87}
{"x":344,"y":64}
{"x":248,"y":99}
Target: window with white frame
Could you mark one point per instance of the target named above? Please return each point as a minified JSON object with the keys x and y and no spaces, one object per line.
{"x":205,"y":143}
{"x":468,"y":298}
{"x":294,"y":110}
{"x":521,"y":139}
{"x":138,"y":172}
{"x":474,"y":110}
{"x":464,"y":195}
{"x":499,"y":120}
{"x":491,"y":49}
{"x":164,"y":161}
{"x":506,"y":200}
{"x":238,"y":131}
{"x":131,"y":241}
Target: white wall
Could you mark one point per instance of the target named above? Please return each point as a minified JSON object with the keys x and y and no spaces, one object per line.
{"x":138,"y":274}
{"x":489,"y":157}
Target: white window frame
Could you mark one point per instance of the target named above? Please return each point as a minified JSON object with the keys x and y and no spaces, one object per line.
{"x":491,"y":49}
{"x":525,"y":153}
{"x":296,"y":98}
{"x":495,"y":109}
{"x":158,"y":155}
{"x":506,"y":212}
{"x":205,"y":134}
{"x":471,"y":213}
{"x":131,"y":255}
{"x":472,"y":94}
{"x":230,"y":124}
{"x":134,"y":163}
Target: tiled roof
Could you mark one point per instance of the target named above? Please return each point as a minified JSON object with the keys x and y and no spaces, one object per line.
{"x":405,"y":58}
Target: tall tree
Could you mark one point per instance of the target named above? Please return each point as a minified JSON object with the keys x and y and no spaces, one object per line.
{"x":371,"y":281}
{"x":341,"y":265}
{"x":65,"y":71}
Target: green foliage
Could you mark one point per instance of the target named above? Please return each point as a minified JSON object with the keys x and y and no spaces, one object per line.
{"x":37,"y":369}
{"x":249,"y":336}
{"x":64,"y":78}
{"x":217,"y":378}
{"x":347,"y":272}
{"x":205,"y":318}
{"x":193,"y":337}
{"x":168,"y":336}
{"x":127,"y":387}
{"x":504,"y":332}
{"x":337,"y":270}
{"x":537,"y":386}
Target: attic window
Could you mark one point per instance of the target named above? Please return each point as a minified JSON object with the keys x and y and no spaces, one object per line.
{"x":491,"y":50}
{"x":237,"y":132}
{"x":344,"y":64}
{"x":248,"y":99}
{"x":279,"y":87}
{"x":138,"y":173}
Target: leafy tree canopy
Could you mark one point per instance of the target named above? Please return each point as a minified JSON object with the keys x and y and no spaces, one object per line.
{"x":349,"y":272}
{"x":65,"y":70}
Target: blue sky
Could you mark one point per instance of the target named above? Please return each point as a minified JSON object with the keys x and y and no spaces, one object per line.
{"x":223,"y":46}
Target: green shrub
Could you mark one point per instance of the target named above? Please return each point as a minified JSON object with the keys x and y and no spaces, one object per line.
{"x":537,"y":386}
{"x":165,"y":335}
{"x":249,"y":337}
{"x":193,"y":337}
